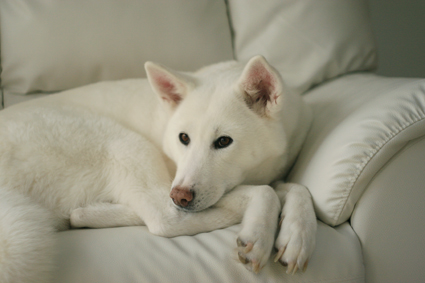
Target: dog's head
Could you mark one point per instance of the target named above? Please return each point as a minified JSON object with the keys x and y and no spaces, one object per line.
{"x":225,"y":128}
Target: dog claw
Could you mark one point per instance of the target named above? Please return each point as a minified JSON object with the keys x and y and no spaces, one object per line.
{"x":248,"y":247}
{"x":290,"y":268}
{"x":305,"y":266}
{"x":279,"y":253}
{"x":240,"y":243}
{"x":256,"y":267}
{"x":281,"y":221}
{"x":242,"y":258}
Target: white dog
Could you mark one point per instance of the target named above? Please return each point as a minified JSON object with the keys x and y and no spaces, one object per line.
{"x":108,"y":154}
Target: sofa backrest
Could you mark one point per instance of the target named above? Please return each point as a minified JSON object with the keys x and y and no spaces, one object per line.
{"x":48,"y":46}
{"x":309,"y":41}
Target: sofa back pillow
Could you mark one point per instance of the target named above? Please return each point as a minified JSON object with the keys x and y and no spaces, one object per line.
{"x":308,"y":41}
{"x":48,"y":46}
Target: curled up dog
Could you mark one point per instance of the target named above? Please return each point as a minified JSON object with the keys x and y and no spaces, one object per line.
{"x":151,"y":152}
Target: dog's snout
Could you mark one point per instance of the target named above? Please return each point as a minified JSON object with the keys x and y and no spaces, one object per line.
{"x":181,"y":196}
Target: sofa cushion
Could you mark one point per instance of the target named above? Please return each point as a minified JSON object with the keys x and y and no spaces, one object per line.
{"x":49,"y":46}
{"x":132,"y":254}
{"x":360,"y":122}
{"x":309,"y":41}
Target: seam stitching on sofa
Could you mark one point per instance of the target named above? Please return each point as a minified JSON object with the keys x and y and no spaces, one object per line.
{"x":372,"y":153}
{"x":418,"y":117}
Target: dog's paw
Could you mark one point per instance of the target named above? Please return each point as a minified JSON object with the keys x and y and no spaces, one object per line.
{"x":254,"y":250}
{"x":296,"y":240}
{"x":77,"y":218}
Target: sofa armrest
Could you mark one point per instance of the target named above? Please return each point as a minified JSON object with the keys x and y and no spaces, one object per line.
{"x":389,"y":218}
{"x":360,"y":122}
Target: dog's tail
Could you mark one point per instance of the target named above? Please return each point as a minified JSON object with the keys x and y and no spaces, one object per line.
{"x":27,"y":239}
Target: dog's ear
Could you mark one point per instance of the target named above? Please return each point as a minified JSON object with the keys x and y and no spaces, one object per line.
{"x":170,"y":85}
{"x":261,"y":87}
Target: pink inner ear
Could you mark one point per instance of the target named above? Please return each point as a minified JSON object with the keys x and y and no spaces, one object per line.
{"x":260,"y":85}
{"x":168,"y":89}
{"x":263,"y":82}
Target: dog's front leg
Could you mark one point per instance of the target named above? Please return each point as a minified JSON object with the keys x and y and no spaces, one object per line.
{"x":259,"y":225}
{"x":258,"y":208}
{"x":297,"y":236}
{"x":104,"y":215}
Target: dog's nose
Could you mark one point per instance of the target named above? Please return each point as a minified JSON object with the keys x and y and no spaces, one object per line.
{"x":181,"y":196}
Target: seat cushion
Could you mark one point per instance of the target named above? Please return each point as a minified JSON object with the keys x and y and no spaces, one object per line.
{"x":360,"y":122}
{"x":132,"y":254}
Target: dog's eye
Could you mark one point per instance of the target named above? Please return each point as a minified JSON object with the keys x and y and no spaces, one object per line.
{"x":184,"y":138}
{"x":223,"y":142}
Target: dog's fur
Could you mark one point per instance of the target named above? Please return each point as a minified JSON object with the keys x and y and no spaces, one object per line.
{"x":108,"y":154}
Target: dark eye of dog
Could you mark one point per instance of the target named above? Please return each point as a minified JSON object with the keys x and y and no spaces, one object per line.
{"x":223,"y":142}
{"x":184,"y":138}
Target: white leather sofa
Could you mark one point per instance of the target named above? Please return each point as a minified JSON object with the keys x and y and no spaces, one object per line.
{"x":363,"y":160}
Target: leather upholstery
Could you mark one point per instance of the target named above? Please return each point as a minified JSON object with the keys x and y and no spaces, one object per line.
{"x":360,"y":122}
{"x":132,"y":254}
{"x":389,"y":218}
{"x":48,"y":46}
{"x":308,"y":41}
